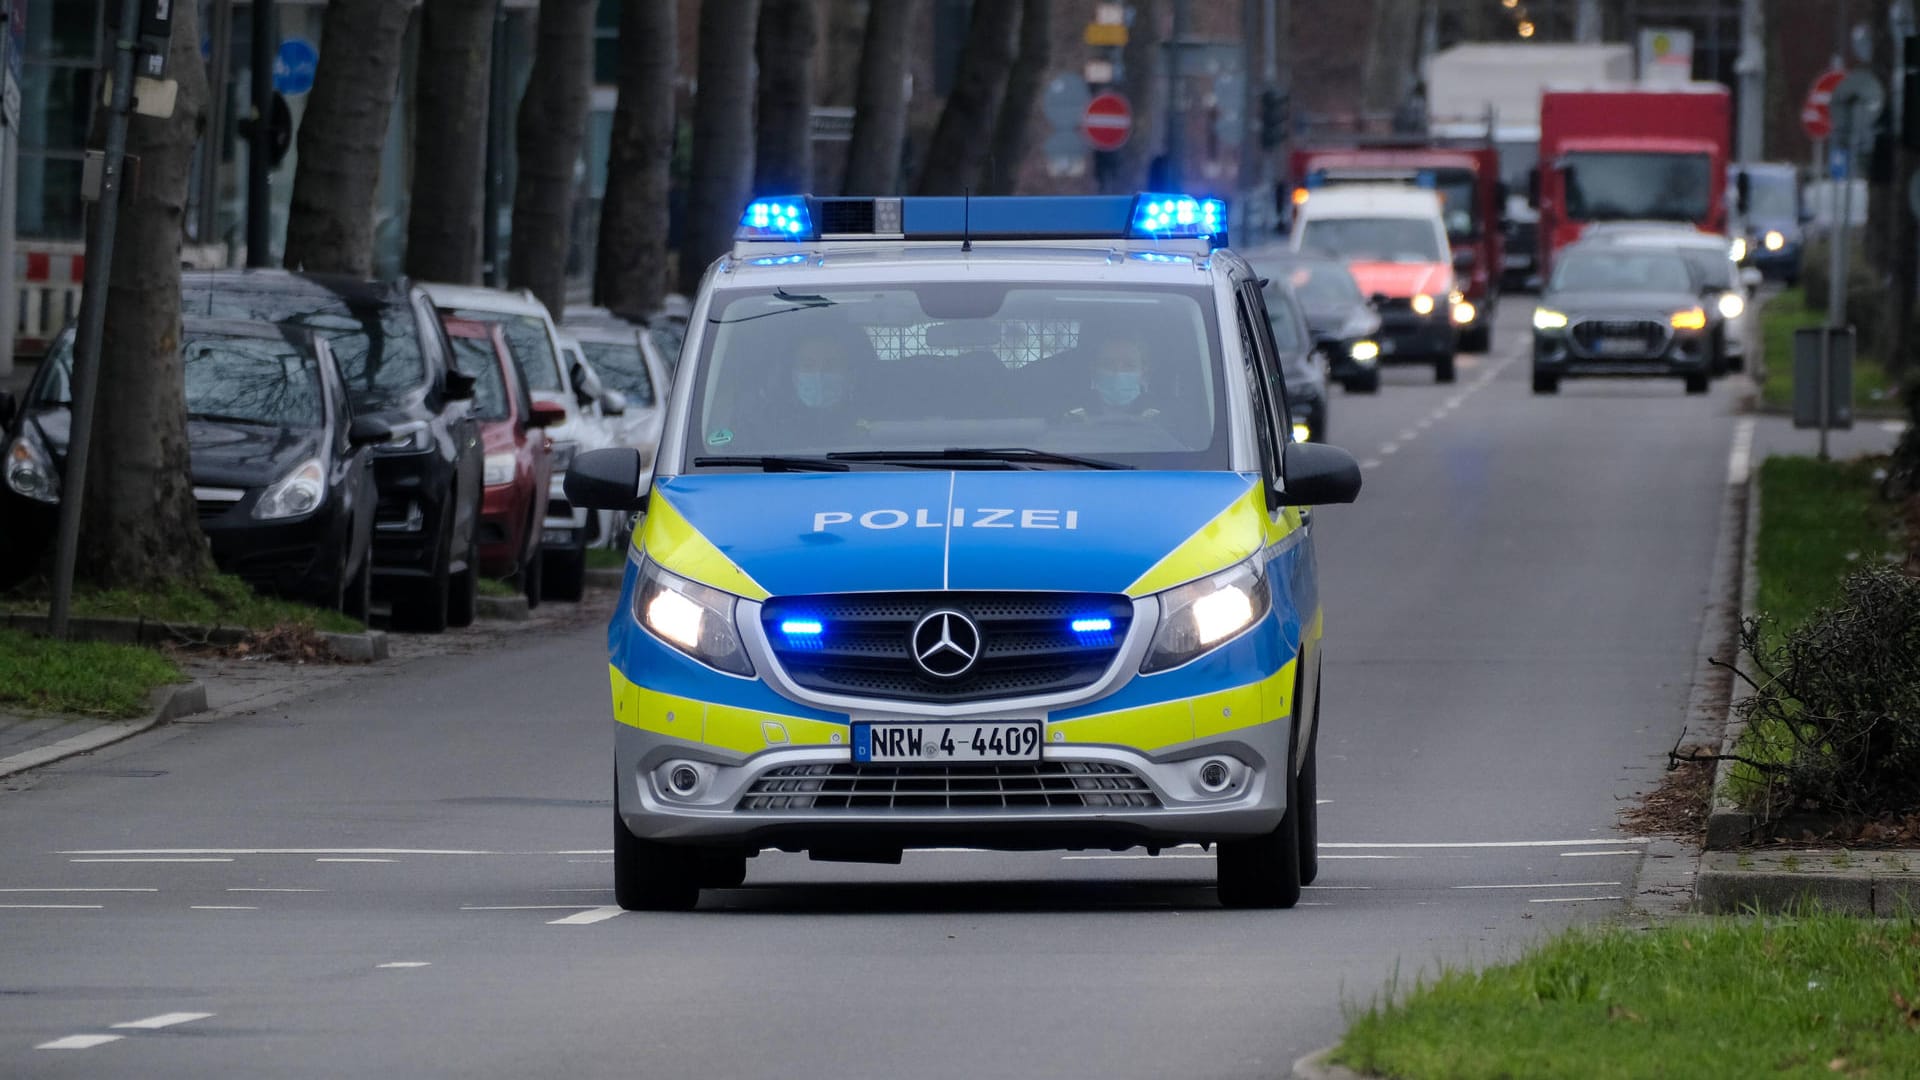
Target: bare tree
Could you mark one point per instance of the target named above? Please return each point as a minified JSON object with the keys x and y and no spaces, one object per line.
{"x":330,"y":222}
{"x":880,"y":101}
{"x":722,"y":137}
{"x":783,"y":146}
{"x":450,"y":145}
{"x":1023,"y":90}
{"x":551,"y":129}
{"x":959,"y":148}
{"x":138,"y":525}
{"x":1126,"y":168}
{"x":630,"y":272}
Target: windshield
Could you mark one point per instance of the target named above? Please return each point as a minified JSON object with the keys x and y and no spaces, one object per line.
{"x":255,"y":380}
{"x":375,"y":344}
{"x":623,"y":368}
{"x":475,"y":357}
{"x":55,"y":385}
{"x":1713,"y":266}
{"x":1651,"y":186}
{"x":532,"y":346}
{"x":1127,"y":374}
{"x":1459,"y":207}
{"x":1772,"y":197}
{"x":1621,"y":271}
{"x":1387,"y":239}
{"x":1517,"y":159}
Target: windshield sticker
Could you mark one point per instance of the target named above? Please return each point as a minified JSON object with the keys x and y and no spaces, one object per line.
{"x":720,"y":438}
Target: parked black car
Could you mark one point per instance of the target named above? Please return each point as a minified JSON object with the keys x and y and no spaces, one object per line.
{"x":1343,"y":323}
{"x":1612,"y":310}
{"x":1302,"y":363}
{"x":282,"y":470}
{"x":395,"y":359}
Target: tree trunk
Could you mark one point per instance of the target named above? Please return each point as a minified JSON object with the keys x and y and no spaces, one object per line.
{"x":630,"y":273}
{"x":551,"y":129}
{"x":330,"y":222}
{"x":1125,"y":170}
{"x":722,"y":137}
{"x":1023,"y":90}
{"x":880,"y":101}
{"x":138,"y":524}
{"x":783,"y":147}
{"x":958,"y":151}
{"x":444,"y":217}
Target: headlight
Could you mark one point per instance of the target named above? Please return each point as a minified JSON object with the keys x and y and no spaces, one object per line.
{"x":299,"y":492}
{"x":1302,"y":432}
{"x":563,"y":456}
{"x":1464,"y":313}
{"x":691,"y":617}
{"x":1690,"y":319}
{"x":1730,"y":305}
{"x":499,"y":470}
{"x":1548,"y":319}
{"x":408,"y":442}
{"x":1200,"y":615}
{"x":1423,"y":304}
{"x":1365,"y":352}
{"x":30,"y":470}
{"x":1774,"y":240}
{"x":1739,"y":248}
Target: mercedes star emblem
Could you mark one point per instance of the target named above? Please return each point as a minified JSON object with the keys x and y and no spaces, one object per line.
{"x":946,"y":644}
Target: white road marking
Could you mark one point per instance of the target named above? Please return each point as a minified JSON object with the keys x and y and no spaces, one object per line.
{"x":1740,"y":455}
{"x":108,"y":889}
{"x":79,"y":1042}
{"x":221,"y":907}
{"x":1321,"y":802}
{"x":1498,"y":843}
{"x":405,"y":964}
{"x":1370,"y":463}
{"x":1569,"y":899}
{"x":1548,"y":885}
{"x":580,"y":890}
{"x":1340,"y":888}
{"x":529,"y":907}
{"x":155,"y":1023}
{"x":150,"y":860}
{"x":274,"y":890}
{"x":51,"y":907}
{"x":1118,"y":858}
{"x":316,"y":851}
{"x":353,"y":860}
{"x":1592,"y":854}
{"x":1407,"y":435}
{"x":1388,"y":449}
{"x":593,"y":915}
{"x":1324,"y":856}
{"x":590,"y":860}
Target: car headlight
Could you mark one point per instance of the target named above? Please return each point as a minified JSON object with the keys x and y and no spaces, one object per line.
{"x":30,"y":470}
{"x":1548,"y":319}
{"x":1464,"y":312}
{"x":1365,"y":352}
{"x":1730,"y":305}
{"x":299,"y":492}
{"x":691,"y":617}
{"x":1200,"y":615}
{"x":408,"y":442}
{"x":1774,"y":240}
{"x":563,"y":456}
{"x":1690,"y":319}
{"x":498,"y":470}
{"x":1302,"y":431}
{"x":1739,"y":248}
{"x":1423,"y":304}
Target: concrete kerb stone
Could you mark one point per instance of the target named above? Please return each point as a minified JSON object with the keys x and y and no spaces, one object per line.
{"x":364,"y":646}
{"x":1315,"y":1066}
{"x":168,"y":703}
{"x":509,"y":608}
{"x":608,"y":576}
{"x":1729,"y":825}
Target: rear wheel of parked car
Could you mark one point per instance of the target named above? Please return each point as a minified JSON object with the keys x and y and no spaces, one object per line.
{"x":463,"y":590}
{"x":649,"y":875}
{"x":1306,"y":812}
{"x":531,"y":575}
{"x":1264,"y":871}
{"x":1546,"y":383}
{"x":420,"y":604}
{"x":566,"y":575}
{"x":1443,"y":369}
{"x":1365,"y":383}
{"x":1699,"y":384}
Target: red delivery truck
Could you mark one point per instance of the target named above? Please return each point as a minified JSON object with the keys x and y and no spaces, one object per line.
{"x":1631,"y":153}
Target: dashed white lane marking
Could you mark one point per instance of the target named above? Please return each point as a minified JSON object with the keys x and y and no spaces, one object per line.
{"x":1549,"y":885}
{"x":314,"y":851}
{"x":1408,"y":435}
{"x":1128,"y":858}
{"x":592,"y":915}
{"x":164,"y":1020}
{"x":150,"y":860}
{"x":1569,"y":899}
{"x":589,"y":860}
{"x":1593,"y":854}
{"x":221,"y":907}
{"x":1740,"y":455}
{"x":1326,"y":856}
{"x":243,"y":889}
{"x":1499,"y":843}
{"x":1340,"y":888}
{"x":528,"y":907}
{"x":352,"y":860}
{"x":578,"y":890}
{"x":123,"y":888}
{"x":1389,"y":449}
{"x":79,"y":1042}
{"x":50,"y":907}
{"x":1370,"y":463}
{"x":405,"y":964}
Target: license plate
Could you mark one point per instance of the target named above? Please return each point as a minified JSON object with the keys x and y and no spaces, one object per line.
{"x":563,"y":537}
{"x":1005,"y":740}
{"x":1388,"y":347}
{"x":1621,"y":347}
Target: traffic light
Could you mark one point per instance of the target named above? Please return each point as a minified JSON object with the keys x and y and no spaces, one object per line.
{"x":1274,"y":107}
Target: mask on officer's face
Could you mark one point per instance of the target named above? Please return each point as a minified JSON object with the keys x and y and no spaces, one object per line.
{"x":1118,"y":387}
{"x":818,"y":389}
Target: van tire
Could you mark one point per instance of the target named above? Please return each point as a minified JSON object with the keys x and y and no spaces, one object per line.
{"x":565,"y":575}
{"x":722,"y":869}
{"x":1306,"y":812}
{"x":1264,"y":871}
{"x":649,"y":875}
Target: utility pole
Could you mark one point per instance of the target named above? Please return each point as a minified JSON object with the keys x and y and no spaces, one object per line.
{"x":10,"y":34}
{"x":1586,"y":22}
{"x":1751,"y":68}
{"x":493,"y":263}
{"x":1174,"y":173}
{"x":260,"y":142}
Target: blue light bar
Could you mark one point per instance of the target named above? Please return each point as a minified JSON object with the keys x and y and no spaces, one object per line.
{"x":801,"y":627}
{"x":1165,"y":217}
{"x":1092,"y":626}
{"x":784,"y":218}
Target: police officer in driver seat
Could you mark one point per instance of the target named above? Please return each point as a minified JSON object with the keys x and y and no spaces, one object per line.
{"x":1119,"y":382}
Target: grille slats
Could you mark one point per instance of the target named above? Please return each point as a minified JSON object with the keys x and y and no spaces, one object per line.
{"x":973,"y":787}
{"x":1644,"y":335}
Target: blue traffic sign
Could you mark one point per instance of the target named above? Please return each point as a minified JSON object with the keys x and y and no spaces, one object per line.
{"x":1837,"y":163}
{"x":294,"y":65}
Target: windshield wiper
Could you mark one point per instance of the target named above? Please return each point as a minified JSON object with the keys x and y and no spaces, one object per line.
{"x":1011,"y":454}
{"x":773,"y":462}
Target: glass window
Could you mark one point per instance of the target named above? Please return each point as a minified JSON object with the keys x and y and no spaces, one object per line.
{"x":1284,"y":316}
{"x":1385,"y":239}
{"x":253,"y":381}
{"x":1620,"y":271}
{"x":531,"y":344}
{"x":622,"y":368}
{"x":475,"y":357}
{"x":1772,"y":197}
{"x":1460,"y":202}
{"x":1124,"y":373}
{"x":1651,"y":186}
{"x":55,"y":386}
{"x":375,"y":344}
{"x":1320,"y":286}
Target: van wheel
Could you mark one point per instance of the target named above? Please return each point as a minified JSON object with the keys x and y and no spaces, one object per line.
{"x":1306,"y":812}
{"x":722,"y":869}
{"x":420,"y":605}
{"x":1264,"y":871}
{"x":651,"y":876}
{"x":1443,"y":369}
{"x":1699,"y":384}
{"x":566,"y":575}
{"x":532,"y":576}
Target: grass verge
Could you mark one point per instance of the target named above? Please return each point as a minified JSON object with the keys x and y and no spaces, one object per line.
{"x":1786,"y":312}
{"x":1818,"y":520}
{"x":87,"y":677}
{"x":606,"y":558}
{"x":1733,"y":998}
{"x":495,"y":587}
{"x":221,"y":600}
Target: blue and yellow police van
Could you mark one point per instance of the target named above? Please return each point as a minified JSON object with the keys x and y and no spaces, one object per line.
{"x":975,"y":522}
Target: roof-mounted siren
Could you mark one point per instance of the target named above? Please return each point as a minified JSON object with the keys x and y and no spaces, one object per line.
{"x":784,"y":218}
{"x":1179,"y":217}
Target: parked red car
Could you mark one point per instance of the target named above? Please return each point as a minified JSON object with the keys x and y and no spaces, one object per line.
{"x":518,"y":453}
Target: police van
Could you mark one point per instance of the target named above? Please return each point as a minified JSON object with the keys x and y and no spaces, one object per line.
{"x":975,"y":522}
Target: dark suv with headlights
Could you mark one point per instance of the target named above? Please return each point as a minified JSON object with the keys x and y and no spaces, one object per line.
{"x":1612,"y":310}
{"x":394,"y":356}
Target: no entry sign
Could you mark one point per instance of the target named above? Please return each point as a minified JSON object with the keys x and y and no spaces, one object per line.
{"x":1816,"y":114}
{"x":1107,"y":122}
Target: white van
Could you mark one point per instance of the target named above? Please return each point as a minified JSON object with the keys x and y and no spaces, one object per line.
{"x":1394,"y":240}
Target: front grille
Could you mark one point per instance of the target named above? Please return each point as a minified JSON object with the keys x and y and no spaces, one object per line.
{"x":1604,"y":337}
{"x":1039,"y":785}
{"x":1027,"y":644}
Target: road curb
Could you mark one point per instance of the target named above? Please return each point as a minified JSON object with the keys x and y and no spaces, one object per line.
{"x":1884,"y":884}
{"x":1315,"y":1066}
{"x":1728,"y":825}
{"x":365,"y":645}
{"x":606,"y":575}
{"x":169,"y":703}
{"x":508,"y":608}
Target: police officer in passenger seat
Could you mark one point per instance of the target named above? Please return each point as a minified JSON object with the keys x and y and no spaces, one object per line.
{"x":1119,"y":383}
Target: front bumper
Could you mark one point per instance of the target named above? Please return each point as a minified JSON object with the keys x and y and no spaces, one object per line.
{"x":414,"y":489}
{"x":1680,"y":353}
{"x":1408,"y":338}
{"x":503,"y":528}
{"x":299,"y":559}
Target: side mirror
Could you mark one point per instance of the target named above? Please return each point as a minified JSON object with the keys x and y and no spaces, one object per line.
{"x":1317,"y":474}
{"x":1533,"y":186}
{"x":610,"y":479}
{"x":367,"y":431}
{"x":586,"y":384}
{"x":544,"y":414}
{"x":459,"y":385}
{"x":8,"y":406}
{"x":1743,"y":191}
{"x":1751,"y":277}
{"x":613,"y":403}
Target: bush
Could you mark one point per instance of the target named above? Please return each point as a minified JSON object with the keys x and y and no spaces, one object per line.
{"x":1866,"y":293}
{"x":1834,"y":719}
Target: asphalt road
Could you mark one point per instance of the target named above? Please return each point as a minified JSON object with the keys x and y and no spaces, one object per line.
{"x":409,"y":876}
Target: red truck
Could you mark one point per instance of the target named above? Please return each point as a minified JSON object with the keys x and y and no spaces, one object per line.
{"x":1631,"y":153}
{"x":1466,"y":177}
